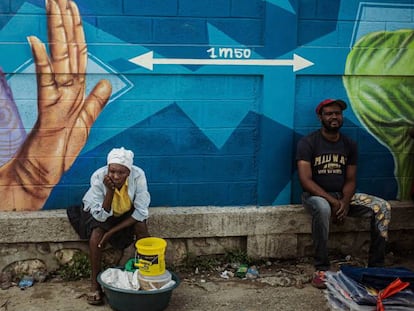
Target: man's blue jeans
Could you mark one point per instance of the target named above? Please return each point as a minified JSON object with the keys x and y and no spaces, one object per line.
{"x":320,"y":211}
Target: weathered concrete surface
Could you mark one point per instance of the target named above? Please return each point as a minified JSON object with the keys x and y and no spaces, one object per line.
{"x":263,"y":232}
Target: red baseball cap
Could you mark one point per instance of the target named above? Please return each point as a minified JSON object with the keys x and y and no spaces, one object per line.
{"x":328,"y":102}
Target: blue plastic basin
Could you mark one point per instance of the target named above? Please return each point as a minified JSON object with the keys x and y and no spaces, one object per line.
{"x":138,"y":300}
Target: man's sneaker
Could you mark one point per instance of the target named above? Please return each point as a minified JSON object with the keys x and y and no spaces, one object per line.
{"x":318,"y":280}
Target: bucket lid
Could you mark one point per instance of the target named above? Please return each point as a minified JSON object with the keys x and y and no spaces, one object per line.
{"x":151,"y":243}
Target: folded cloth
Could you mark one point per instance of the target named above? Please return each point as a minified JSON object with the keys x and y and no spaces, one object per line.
{"x":344,"y":293}
{"x":379,"y":278}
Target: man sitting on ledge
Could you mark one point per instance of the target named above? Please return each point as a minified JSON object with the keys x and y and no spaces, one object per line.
{"x":327,"y":166}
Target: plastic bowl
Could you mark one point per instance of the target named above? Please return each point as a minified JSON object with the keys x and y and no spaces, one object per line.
{"x":141,"y":300}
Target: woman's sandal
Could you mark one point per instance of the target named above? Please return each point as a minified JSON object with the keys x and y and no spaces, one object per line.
{"x":95,"y":298}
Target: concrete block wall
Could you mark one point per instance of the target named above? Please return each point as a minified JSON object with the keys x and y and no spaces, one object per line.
{"x":278,"y":232}
{"x":178,"y":22}
{"x":210,"y":135}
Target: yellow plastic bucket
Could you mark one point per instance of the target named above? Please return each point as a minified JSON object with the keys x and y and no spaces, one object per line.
{"x":151,"y":256}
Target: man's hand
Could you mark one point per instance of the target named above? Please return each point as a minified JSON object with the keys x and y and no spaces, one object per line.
{"x":335,"y":206}
{"x":342,"y":211}
{"x":65,"y":116}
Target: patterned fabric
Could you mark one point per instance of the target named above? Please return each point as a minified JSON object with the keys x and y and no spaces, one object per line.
{"x":381,"y":208}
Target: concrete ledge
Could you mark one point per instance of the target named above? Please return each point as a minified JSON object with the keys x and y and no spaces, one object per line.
{"x":263,"y":232}
{"x":193,"y":222}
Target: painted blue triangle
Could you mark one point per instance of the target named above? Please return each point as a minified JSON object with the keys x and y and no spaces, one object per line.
{"x":217,"y":37}
{"x":216,"y":119}
{"x":284,"y":4}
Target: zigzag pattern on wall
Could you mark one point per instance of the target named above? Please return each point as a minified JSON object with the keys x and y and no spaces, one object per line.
{"x":229,"y":175}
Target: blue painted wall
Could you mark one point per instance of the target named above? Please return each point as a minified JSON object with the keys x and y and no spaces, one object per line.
{"x":209,"y":134}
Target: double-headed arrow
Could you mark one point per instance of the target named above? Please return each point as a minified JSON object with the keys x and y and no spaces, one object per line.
{"x":147,"y":60}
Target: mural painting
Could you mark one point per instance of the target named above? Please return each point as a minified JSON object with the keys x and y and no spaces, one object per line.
{"x":65,"y":114}
{"x":379,"y":81}
{"x":211,"y":97}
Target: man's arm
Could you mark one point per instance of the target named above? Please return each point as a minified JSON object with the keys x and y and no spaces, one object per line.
{"x":305,"y":178}
{"x":348,"y":191}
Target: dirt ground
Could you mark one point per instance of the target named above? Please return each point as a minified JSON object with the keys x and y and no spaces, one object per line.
{"x":280,"y":286}
{"x":212,"y":295}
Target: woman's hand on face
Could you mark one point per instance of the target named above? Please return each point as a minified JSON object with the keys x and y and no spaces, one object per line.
{"x":109,"y":184}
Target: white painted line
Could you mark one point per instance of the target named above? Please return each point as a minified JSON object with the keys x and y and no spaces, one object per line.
{"x":148,"y":61}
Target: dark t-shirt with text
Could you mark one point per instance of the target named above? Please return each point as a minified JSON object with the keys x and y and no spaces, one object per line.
{"x":328,"y":159}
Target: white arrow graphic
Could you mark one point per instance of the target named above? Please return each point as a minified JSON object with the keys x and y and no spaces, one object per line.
{"x":147,"y":60}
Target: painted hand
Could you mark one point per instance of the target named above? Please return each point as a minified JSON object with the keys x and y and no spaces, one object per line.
{"x":65,"y":116}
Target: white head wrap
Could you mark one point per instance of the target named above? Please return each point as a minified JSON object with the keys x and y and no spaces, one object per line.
{"x":121,"y":156}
